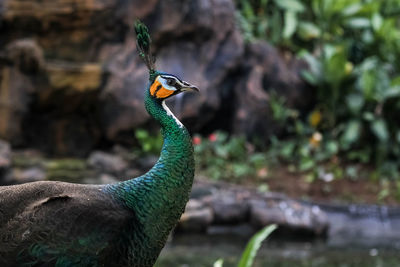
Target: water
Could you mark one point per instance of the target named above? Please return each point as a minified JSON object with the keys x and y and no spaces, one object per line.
{"x":195,"y":250}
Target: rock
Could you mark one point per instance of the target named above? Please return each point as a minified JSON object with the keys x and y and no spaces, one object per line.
{"x":265,"y":71}
{"x":73,"y":30}
{"x":33,"y":93}
{"x":288,"y":213}
{"x":27,"y":158}
{"x":26,"y":55}
{"x":107,"y":163}
{"x":102,"y":179}
{"x":199,"y":190}
{"x":16,"y":90}
{"x":67,"y":69}
{"x":125,"y":152}
{"x":131,"y":173}
{"x":67,"y":169}
{"x":5,"y":155}
{"x":146,"y":162}
{"x":228,"y":210}
{"x":20,"y":176}
{"x":197,"y":40}
{"x":262,"y":215}
{"x":363,"y":225}
{"x":242,"y":230}
{"x":77,"y":83}
{"x":196,"y":217}
{"x":5,"y":161}
{"x":79,"y":77}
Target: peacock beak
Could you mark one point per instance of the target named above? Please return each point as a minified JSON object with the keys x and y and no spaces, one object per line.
{"x":189,"y":87}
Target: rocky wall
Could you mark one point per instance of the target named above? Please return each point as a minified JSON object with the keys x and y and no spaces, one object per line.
{"x":71,"y":80}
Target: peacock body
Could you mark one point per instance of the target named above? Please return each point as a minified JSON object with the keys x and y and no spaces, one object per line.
{"x":122,"y":224}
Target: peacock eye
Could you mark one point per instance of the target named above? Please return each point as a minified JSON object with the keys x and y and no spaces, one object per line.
{"x":171,"y":82}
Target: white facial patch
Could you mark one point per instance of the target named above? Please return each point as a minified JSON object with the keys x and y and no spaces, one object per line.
{"x":169,"y":113}
{"x":164,"y":82}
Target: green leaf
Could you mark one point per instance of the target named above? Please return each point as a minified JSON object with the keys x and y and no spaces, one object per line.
{"x":219,"y":263}
{"x":368,"y":116}
{"x":355,"y":102}
{"x":383,"y":193}
{"x":352,"y":9}
{"x":395,"y":81}
{"x":314,"y":64}
{"x":222,"y":151}
{"x":308,"y":31}
{"x":306,"y":164}
{"x":335,"y":66}
{"x":247,"y":10}
{"x":287,"y":150}
{"x":359,"y":155}
{"x":342,"y":6}
{"x":309,"y":77}
{"x":332,"y":147}
{"x":358,"y":23}
{"x":141,"y":134}
{"x":276,"y":27}
{"x":351,"y":133}
{"x":241,"y":169}
{"x":304,"y":150}
{"x":292,"y":5}
{"x":376,"y":21}
{"x":380,"y":130}
{"x":254,"y":245}
{"x":374,"y":79}
{"x":392,"y":92}
{"x":351,"y":172}
{"x":258,"y":160}
{"x":290,"y":24}
{"x":263,"y":188}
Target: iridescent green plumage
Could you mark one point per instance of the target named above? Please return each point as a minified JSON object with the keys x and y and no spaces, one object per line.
{"x":143,"y":44}
{"x":159,"y":197}
{"x":121,"y":224}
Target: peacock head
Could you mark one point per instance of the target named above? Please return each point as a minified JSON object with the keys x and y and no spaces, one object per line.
{"x":166,"y":85}
{"x":162,"y":85}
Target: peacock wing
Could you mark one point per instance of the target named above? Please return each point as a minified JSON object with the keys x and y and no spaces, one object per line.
{"x":75,"y":226}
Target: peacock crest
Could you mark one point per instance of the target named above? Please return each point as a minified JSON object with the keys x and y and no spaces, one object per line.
{"x":143,"y":44}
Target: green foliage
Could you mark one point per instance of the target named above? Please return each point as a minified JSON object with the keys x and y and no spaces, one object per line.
{"x":219,"y":263}
{"x":252,"y":247}
{"x":352,"y":48}
{"x":220,"y":157}
{"x":149,"y":144}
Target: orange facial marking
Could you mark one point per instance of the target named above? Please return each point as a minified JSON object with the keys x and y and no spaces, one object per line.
{"x":154,"y":87}
{"x":163,"y":93}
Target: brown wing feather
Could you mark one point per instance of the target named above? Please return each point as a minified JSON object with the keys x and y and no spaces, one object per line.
{"x":73,"y":219}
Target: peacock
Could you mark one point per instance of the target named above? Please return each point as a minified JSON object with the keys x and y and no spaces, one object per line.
{"x":120,"y":224}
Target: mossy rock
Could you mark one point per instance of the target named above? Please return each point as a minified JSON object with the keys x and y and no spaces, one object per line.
{"x":69,"y":170}
{"x":27,"y":161}
{"x":66,"y":164}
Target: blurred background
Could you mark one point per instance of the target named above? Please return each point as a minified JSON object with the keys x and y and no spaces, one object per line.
{"x":297,"y":122}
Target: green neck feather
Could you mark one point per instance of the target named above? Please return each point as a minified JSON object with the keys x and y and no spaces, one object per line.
{"x":158,"y":198}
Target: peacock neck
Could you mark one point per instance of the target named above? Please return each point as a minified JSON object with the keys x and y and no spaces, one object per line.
{"x":158,"y":198}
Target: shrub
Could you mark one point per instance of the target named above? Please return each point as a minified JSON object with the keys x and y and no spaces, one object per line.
{"x":352,"y":48}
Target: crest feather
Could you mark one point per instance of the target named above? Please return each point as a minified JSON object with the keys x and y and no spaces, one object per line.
{"x":143,"y":43}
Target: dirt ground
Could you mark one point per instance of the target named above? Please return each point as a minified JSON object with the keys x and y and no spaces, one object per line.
{"x":363,"y":191}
